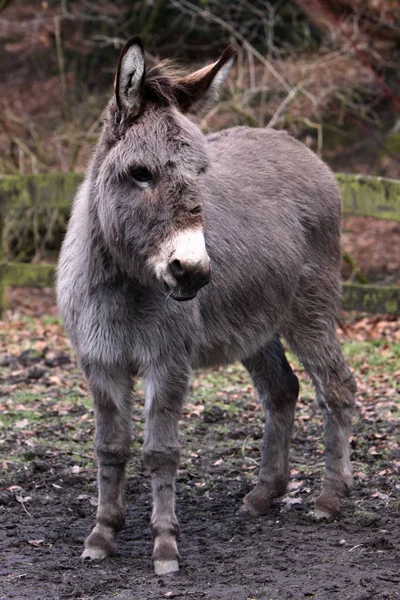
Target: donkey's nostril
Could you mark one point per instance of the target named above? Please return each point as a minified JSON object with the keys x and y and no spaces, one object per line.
{"x":177,"y":270}
{"x":190,"y":275}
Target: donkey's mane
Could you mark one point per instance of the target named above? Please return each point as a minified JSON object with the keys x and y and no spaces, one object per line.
{"x":161,"y":83}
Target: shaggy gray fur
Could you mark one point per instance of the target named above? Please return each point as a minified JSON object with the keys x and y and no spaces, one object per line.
{"x":270,"y":210}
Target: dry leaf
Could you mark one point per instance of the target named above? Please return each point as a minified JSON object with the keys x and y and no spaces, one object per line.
{"x":35,"y":542}
{"x":291,"y":501}
{"x":380,"y":495}
{"x":22,"y":500}
{"x":294,"y":485}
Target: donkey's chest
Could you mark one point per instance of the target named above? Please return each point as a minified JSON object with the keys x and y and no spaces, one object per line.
{"x":149,"y":334}
{"x":139,"y":335}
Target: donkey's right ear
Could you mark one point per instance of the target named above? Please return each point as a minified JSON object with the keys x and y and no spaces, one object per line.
{"x":130,"y":77}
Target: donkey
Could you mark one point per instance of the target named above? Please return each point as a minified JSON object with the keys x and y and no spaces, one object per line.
{"x":187,"y":251}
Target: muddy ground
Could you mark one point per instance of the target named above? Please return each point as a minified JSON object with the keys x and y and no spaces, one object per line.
{"x":48,"y":489}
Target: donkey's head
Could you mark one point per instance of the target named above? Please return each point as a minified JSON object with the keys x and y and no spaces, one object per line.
{"x":148,"y":169}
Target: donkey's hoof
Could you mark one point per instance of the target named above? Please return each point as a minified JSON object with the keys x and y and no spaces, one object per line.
{"x":94,"y":554}
{"x":98,"y":547}
{"x":257,"y":502}
{"x":321,"y":515}
{"x":162,"y":567}
{"x":247,"y":511}
{"x":326,"y":507}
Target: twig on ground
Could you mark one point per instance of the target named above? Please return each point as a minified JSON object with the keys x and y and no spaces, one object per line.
{"x":248,"y":458}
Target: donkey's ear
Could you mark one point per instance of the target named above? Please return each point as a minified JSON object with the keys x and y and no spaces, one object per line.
{"x":196,"y":92}
{"x":130,"y":76}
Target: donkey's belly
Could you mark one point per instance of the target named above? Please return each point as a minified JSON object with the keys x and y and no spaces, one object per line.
{"x":221,"y":351}
{"x":237,"y":328}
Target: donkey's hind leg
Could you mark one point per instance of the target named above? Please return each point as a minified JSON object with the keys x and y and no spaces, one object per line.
{"x":278,"y":388}
{"x":316,"y":344}
{"x":111,"y":391}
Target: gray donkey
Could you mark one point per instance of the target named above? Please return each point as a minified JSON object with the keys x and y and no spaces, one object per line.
{"x":187,"y":251}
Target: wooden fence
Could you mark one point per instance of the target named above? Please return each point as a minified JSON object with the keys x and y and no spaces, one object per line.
{"x":368,"y":196}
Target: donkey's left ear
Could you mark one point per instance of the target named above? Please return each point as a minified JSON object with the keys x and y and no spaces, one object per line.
{"x":197,"y":92}
{"x":130,"y":76}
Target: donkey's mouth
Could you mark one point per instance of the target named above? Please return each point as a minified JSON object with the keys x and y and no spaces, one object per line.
{"x":181,"y":295}
{"x":188,"y":286}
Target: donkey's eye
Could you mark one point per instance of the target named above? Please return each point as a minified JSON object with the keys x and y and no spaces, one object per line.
{"x":196,"y":210}
{"x":141,"y":175}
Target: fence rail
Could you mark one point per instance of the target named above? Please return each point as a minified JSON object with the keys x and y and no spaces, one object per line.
{"x":362,"y":195}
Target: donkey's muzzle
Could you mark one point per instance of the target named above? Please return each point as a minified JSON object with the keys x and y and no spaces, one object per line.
{"x":190,"y":278}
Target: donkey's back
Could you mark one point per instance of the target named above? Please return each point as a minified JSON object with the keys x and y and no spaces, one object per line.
{"x":272,"y":212}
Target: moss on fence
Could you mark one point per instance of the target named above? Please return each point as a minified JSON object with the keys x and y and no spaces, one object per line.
{"x":29,"y":275}
{"x":370,"y":196}
{"x":371,"y":299}
{"x":44,"y":189}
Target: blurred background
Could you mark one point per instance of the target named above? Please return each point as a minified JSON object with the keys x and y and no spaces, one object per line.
{"x":325,"y":70}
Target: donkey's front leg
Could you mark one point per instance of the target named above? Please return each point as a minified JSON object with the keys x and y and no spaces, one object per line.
{"x":165,"y":390}
{"x":111,"y":391}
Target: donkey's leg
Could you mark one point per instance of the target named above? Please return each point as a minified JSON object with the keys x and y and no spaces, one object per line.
{"x":278,"y":389}
{"x":165,"y":390}
{"x":111,"y":391}
{"x":319,"y":350}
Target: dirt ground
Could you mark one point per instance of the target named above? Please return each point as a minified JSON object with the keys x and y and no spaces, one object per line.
{"x":48,"y":489}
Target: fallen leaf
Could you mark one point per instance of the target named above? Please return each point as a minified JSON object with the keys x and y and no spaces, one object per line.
{"x":35,"y":542}
{"x":373,"y":451}
{"x":290,"y":501}
{"x":22,"y":500}
{"x":380,"y":495}
{"x":294,"y":485}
